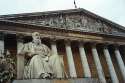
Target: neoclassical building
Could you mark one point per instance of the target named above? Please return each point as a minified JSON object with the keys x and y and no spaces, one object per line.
{"x":92,"y":47}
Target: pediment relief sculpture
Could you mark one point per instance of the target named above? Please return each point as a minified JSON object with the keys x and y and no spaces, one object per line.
{"x":79,"y":22}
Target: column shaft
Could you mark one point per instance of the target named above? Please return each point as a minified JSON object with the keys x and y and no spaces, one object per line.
{"x":120,"y":62}
{"x":20,"y":60}
{"x":85,"y":65}
{"x":71,"y":64}
{"x":98,"y":65}
{"x":110,"y":66}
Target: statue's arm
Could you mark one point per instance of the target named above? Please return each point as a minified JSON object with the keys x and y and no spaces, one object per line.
{"x":29,"y":50}
{"x":46,"y":50}
{"x":49,"y":51}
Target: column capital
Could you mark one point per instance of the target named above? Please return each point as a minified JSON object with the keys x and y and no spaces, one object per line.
{"x":105,"y":45}
{"x":116,"y":45}
{"x":67,"y":41}
{"x":53,"y":40}
{"x":81,"y":42}
{"x":123,"y":45}
{"x":93,"y":44}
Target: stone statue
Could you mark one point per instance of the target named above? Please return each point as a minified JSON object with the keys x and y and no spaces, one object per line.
{"x":41,"y":63}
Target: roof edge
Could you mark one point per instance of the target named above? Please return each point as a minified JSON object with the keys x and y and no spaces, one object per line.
{"x":9,"y":16}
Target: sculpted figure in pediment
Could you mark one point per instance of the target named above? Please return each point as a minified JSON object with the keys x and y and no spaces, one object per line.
{"x":84,"y":21}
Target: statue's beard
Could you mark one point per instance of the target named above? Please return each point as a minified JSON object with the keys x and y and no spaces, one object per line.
{"x":37,"y":41}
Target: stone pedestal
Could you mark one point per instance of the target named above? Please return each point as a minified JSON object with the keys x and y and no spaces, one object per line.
{"x":79,"y":80}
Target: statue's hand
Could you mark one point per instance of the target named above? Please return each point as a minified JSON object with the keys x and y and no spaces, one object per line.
{"x":31,"y":54}
{"x":46,"y":75}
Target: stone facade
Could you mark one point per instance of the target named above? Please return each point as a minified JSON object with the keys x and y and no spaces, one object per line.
{"x":78,"y":22}
{"x":92,"y":47}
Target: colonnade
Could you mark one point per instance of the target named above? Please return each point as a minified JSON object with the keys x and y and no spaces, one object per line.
{"x":85,"y":65}
{"x":84,"y":60}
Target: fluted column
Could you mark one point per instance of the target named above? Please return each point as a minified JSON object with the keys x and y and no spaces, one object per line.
{"x":98,"y":64}
{"x":120,"y":62}
{"x":53,"y":47}
{"x":85,"y":65}
{"x":1,"y":44}
{"x":71,"y":64}
{"x":110,"y":65}
{"x":20,"y":58}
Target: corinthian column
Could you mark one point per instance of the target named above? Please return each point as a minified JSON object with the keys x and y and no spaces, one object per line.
{"x":110,"y":65}
{"x":71,"y":64}
{"x":98,"y":64}
{"x":85,"y":65}
{"x":120,"y":62}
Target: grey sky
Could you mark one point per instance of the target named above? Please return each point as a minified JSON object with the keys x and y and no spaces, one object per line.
{"x":111,"y":9}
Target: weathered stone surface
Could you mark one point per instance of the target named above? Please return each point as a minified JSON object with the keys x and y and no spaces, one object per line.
{"x":77,"y":21}
{"x":71,"y":22}
{"x":80,"y":80}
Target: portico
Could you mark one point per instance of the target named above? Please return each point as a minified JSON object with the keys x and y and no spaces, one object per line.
{"x":87,"y":72}
{"x":88,"y":50}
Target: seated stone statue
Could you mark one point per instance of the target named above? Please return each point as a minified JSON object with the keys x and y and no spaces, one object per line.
{"x":41,"y":63}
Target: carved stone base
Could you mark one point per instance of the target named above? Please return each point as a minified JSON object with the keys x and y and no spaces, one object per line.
{"x":79,"y":80}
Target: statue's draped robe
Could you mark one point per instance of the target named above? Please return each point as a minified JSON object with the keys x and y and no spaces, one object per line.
{"x":41,"y":61}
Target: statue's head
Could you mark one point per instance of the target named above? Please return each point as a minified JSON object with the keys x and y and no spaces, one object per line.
{"x":36,"y":36}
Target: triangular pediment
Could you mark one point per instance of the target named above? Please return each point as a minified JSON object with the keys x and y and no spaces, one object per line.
{"x":77,"y":19}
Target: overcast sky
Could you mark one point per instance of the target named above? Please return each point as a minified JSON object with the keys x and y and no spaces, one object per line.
{"x":111,"y":9}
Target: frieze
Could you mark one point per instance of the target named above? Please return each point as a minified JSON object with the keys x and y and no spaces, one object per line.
{"x":80,"y":22}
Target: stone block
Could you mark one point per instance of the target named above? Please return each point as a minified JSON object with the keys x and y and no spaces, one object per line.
{"x":76,"y":80}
